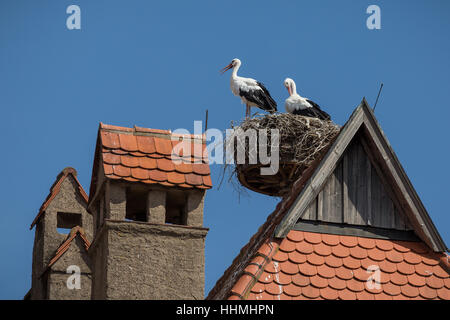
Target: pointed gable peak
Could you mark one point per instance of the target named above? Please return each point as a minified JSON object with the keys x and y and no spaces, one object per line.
{"x":56,"y":187}
{"x":74,"y":232}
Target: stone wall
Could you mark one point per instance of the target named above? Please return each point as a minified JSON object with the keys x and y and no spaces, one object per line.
{"x":149,"y":261}
{"x":48,"y":239}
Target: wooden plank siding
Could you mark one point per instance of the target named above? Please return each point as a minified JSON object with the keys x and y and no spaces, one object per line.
{"x":354,"y":194}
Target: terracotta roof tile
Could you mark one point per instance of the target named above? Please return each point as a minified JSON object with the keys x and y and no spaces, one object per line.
{"x":394,"y":256}
{"x":296,"y":257}
{"x":387,"y":266}
{"x":312,"y":238}
{"x":430,"y":259}
{"x":398,"y":279}
{"x":307,"y":269}
{"x":322,"y":249}
{"x":310,"y":292}
{"x":348,"y":241}
{"x":147,"y":163}
{"x":301,"y":280}
{"x":384,"y":245}
{"x":319,"y":273}
{"x":289,"y":268}
{"x":56,"y":187}
{"x":330,"y":239}
{"x":163,"y":146}
{"x":427,"y":292}
{"x":295,"y":236}
{"x":292,"y":290}
{"x":405,"y":268}
{"x":108,"y":169}
{"x":139,"y":173}
{"x":319,"y":282}
{"x":358,"y":252}
{"x":304,"y":247}
{"x":193,"y":179}
{"x":111,"y":158}
{"x":326,"y":272}
{"x":287,"y":246}
{"x":443,"y":293}
{"x":315,"y":259}
{"x":128,"y":142}
{"x":340,"y":251}
{"x":377,"y":254}
{"x":366,"y":243}
{"x":329,"y":294}
{"x":121,"y":171}
{"x":145,"y":155}
{"x":439,"y":272}
{"x":344,"y":273}
{"x":280,"y":256}
{"x":146,"y":144}
{"x":333,"y":261}
{"x":410,"y":291}
{"x":283,"y":279}
{"x":110,"y":140}
{"x":207,"y":181}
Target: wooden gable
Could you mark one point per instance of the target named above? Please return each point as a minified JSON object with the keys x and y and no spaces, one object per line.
{"x":355,"y":194}
{"x":359,"y":184}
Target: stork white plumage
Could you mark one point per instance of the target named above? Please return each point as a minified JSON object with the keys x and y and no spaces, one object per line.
{"x":296,"y":104}
{"x":253,"y":93}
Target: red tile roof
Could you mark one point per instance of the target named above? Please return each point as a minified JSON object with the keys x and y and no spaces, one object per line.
{"x":145,"y":155}
{"x":307,"y":265}
{"x":76,"y":231}
{"x":56,"y":187}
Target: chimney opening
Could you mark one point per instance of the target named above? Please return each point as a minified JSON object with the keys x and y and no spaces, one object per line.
{"x":176,"y":208}
{"x":136,"y":204}
{"x":65,"y":221}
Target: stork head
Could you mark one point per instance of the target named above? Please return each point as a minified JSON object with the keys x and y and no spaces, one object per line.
{"x":234,"y":63}
{"x":289,"y":84}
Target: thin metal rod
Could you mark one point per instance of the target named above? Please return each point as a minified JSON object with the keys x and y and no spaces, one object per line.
{"x":381,"y":87}
{"x":206,"y":121}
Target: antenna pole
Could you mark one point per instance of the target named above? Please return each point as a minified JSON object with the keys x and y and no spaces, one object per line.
{"x":206,"y":120}
{"x":381,"y":87}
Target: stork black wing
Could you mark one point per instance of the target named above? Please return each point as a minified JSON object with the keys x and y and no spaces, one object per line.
{"x":269,"y":100}
{"x":261,"y":98}
{"x":317,"y":112}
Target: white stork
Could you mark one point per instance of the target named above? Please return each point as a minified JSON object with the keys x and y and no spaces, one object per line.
{"x":296,"y":104}
{"x":251,"y":92}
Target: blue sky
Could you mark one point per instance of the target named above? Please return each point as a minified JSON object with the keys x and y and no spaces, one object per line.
{"x":155,"y":64}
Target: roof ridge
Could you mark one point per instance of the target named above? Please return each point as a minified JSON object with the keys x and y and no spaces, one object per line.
{"x":56,"y":187}
{"x":158,"y":132}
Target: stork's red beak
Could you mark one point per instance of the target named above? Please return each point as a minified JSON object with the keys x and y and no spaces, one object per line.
{"x":228,"y":67}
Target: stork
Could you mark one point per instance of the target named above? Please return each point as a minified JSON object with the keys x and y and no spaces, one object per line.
{"x":253,"y":93}
{"x":296,"y":104}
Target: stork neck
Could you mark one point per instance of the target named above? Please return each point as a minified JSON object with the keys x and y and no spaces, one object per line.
{"x":235,"y":70}
{"x":293,"y":88}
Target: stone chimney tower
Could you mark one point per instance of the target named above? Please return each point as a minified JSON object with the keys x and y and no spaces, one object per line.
{"x":63,"y":210}
{"x":149,"y":238}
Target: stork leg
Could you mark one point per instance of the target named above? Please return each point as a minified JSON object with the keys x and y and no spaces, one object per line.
{"x":247,"y":109}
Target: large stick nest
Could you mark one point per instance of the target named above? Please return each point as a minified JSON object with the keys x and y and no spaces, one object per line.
{"x":302,"y":140}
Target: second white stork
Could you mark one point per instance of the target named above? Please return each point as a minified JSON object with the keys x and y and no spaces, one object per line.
{"x":296,"y":104}
{"x":253,"y":93}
